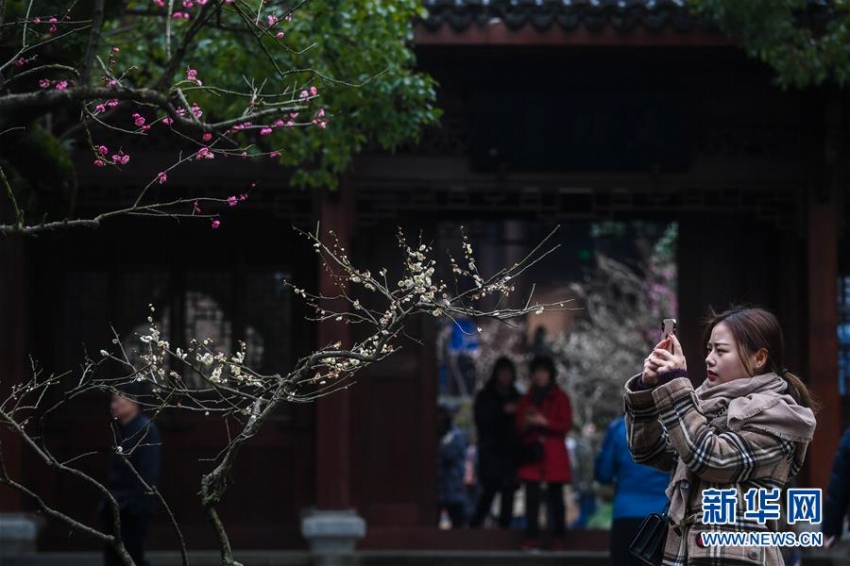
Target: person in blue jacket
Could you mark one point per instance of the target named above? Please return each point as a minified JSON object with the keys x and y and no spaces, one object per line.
{"x":837,"y":493}
{"x":139,"y":448}
{"x":638,"y":490}
{"x":451,"y":462}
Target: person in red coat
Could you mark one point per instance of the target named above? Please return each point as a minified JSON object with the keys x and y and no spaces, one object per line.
{"x":543,"y":418}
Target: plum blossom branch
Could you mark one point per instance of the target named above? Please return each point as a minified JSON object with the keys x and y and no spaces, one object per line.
{"x":159,"y":208}
{"x":204,"y":378}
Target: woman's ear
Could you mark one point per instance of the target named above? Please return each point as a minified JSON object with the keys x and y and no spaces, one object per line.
{"x":760,"y":360}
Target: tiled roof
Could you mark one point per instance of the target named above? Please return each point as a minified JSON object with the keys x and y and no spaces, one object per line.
{"x":596,"y":15}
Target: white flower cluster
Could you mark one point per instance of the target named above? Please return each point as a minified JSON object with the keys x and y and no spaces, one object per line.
{"x":418,"y":285}
{"x":210,"y":365}
{"x":496,"y":285}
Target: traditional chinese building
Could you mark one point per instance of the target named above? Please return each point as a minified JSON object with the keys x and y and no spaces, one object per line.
{"x":567,"y":112}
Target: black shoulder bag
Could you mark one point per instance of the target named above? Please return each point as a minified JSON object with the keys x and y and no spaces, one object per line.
{"x":648,"y":544}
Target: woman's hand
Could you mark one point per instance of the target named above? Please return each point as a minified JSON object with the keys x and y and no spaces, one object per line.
{"x":665,"y":357}
{"x":540,"y":420}
{"x":535,"y":418}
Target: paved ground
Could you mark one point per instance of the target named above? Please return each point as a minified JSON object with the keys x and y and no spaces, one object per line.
{"x":382,"y":558}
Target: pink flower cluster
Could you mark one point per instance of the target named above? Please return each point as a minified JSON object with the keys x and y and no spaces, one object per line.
{"x":234,"y":200}
{"x":103,"y":106}
{"x":58,"y":85}
{"x":20,"y":63}
{"x":205,"y":153}
{"x":119,"y":158}
{"x":320,"y":120}
{"x":312,"y":92}
{"x":139,"y":121}
{"x":192,"y":76}
{"x":273,"y":20}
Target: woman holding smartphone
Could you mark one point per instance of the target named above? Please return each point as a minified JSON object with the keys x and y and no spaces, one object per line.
{"x":747,"y":426}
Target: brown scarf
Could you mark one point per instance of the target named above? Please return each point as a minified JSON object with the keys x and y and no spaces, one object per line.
{"x":760,"y":403}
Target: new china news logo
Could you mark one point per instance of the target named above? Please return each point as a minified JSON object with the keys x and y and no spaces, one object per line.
{"x":720,"y":507}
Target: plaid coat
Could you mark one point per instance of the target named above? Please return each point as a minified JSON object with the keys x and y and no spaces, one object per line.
{"x":667,"y":430}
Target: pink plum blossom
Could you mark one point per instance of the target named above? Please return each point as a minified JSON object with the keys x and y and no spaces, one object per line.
{"x":216,"y":223}
{"x":161,"y":178}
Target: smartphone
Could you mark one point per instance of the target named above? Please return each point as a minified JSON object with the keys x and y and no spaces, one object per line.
{"x":668,"y":326}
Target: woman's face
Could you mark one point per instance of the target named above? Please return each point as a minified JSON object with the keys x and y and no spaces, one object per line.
{"x":541,"y":377}
{"x":505,"y":377}
{"x":722,"y":361}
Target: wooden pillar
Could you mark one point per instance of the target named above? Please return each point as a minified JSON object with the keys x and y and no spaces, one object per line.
{"x":12,"y":354}
{"x":823,"y":233}
{"x":333,"y":412}
{"x":822,"y":274}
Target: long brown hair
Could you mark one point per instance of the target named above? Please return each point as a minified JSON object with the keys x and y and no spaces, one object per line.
{"x":753,"y":329}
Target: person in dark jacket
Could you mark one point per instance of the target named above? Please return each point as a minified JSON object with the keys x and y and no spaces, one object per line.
{"x":544,"y":417}
{"x":495,"y":407}
{"x":837,"y":493}
{"x":138,"y":447}
{"x":451,"y":462}
{"x":638,"y":490}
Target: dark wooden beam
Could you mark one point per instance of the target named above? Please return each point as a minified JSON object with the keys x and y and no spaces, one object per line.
{"x":822,"y":274}
{"x":497,"y":33}
{"x":333,"y":413}
{"x":12,"y":355}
